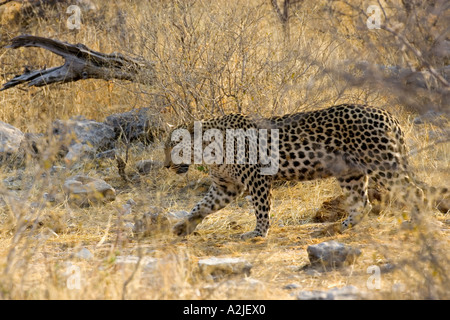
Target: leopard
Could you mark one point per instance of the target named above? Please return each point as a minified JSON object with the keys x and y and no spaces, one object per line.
{"x":356,"y":144}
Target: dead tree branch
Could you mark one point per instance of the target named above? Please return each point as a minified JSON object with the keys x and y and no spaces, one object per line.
{"x":419,"y":56}
{"x":282,"y":15}
{"x":80,"y":63}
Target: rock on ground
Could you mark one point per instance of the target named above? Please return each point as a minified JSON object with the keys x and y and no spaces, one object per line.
{"x":10,"y":140}
{"x":217,"y":267}
{"x":344,"y":293}
{"x":84,"y":254}
{"x":82,"y":137}
{"x":148,"y":263}
{"x":332,"y":254}
{"x":83,"y":190}
{"x":137,"y":124}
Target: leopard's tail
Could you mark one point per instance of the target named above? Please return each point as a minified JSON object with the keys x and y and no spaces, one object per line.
{"x":436,"y":197}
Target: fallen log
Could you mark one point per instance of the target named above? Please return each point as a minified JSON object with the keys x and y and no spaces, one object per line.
{"x":80,"y":63}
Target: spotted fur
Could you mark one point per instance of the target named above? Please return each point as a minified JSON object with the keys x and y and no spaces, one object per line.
{"x":353,"y":143}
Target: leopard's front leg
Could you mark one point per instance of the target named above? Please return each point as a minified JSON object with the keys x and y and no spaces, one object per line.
{"x":260,"y":191}
{"x":216,"y":198}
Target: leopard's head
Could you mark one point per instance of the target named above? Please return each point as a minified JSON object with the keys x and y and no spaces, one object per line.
{"x":177,"y":143}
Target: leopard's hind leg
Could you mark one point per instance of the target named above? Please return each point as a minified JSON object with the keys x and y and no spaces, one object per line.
{"x":355,"y":188}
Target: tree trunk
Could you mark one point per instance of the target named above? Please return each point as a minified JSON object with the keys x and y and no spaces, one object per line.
{"x":80,"y":63}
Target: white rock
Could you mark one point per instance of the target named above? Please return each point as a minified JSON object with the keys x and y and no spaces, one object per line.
{"x":224,"y":266}
{"x":148,"y":263}
{"x":344,"y":293}
{"x":84,"y":254}
{"x":10,"y":140}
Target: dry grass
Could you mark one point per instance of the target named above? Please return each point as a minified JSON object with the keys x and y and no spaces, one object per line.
{"x":211,"y":58}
